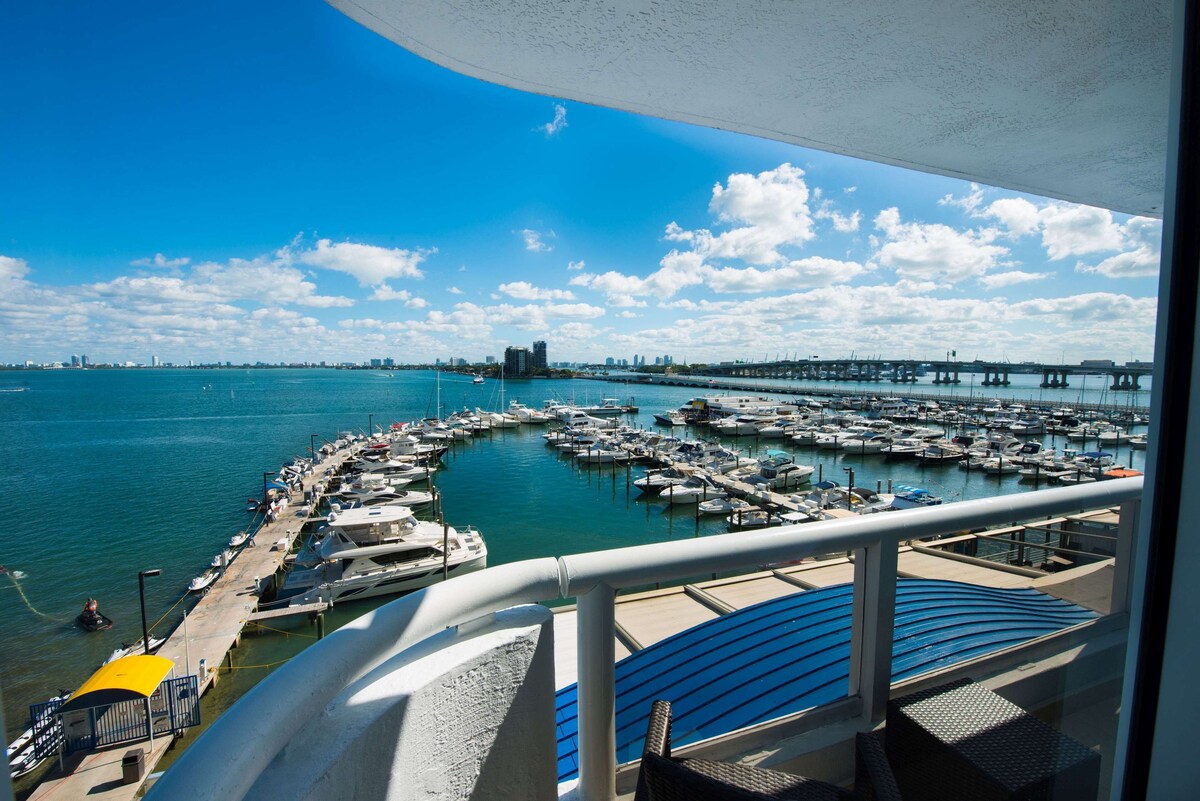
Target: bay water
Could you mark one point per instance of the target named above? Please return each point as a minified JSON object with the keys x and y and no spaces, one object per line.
{"x":109,"y":472}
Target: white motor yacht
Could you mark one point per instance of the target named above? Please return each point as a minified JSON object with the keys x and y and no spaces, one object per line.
{"x":696,"y":489}
{"x":659,"y":480}
{"x":670,"y":417}
{"x":338,"y":568}
{"x":603,"y":455}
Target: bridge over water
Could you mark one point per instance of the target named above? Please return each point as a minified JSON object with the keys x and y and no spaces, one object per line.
{"x":909,"y":371}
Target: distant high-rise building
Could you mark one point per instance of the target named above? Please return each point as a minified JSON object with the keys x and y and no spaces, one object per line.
{"x":517,"y":361}
{"x":377,"y":362}
{"x":84,"y":361}
{"x":668,"y":360}
{"x":539,"y":355}
{"x":154,"y":361}
{"x":489,"y":359}
{"x":389,"y":362}
{"x":635,"y":360}
{"x":74,"y":360}
{"x":610,"y":361}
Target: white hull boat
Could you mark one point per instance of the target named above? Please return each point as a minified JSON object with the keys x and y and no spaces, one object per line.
{"x":203,"y":581}
{"x":339,"y":569}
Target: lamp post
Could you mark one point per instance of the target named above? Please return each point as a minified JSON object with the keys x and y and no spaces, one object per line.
{"x":265,"y":477}
{"x":370,"y":426}
{"x":142,"y":596}
{"x":312,"y":447}
{"x":850,"y":487}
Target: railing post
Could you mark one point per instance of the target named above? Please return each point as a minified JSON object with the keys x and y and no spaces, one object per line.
{"x":596,"y":635}
{"x":1126,"y":536}
{"x":871,"y":632}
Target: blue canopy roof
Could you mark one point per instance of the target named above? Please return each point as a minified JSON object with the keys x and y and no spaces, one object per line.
{"x":793,"y":653}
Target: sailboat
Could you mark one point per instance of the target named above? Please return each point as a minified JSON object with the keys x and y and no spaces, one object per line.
{"x":500,"y":419}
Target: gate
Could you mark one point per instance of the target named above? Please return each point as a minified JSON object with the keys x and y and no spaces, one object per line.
{"x":174,"y":706}
{"x":47,"y":727}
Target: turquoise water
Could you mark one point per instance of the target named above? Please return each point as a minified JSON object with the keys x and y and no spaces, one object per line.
{"x":110,"y":472}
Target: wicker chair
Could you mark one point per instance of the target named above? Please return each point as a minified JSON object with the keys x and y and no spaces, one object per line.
{"x":664,"y":778}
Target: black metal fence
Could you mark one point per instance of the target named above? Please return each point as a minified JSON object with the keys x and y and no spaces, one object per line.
{"x":174,"y":706}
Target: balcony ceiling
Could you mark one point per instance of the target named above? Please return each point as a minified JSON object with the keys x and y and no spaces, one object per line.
{"x":1066,"y":99}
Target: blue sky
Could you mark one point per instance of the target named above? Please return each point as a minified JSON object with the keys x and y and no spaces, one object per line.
{"x":272,"y":181}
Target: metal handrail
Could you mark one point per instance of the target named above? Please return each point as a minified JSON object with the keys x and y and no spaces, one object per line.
{"x":228,"y":758}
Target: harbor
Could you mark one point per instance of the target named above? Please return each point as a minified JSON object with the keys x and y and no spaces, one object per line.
{"x":219,"y":634}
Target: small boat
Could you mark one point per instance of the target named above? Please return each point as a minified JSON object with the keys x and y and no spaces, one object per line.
{"x":91,"y":618}
{"x":670,"y":417}
{"x":743,"y":519}
{"x":253,"y":505}
{"x":696,"y":489}
{"x":478,"y":379}
{"x":909,"y":497}
{"x":227,"y":553}
{"x":238,"y":539}
{"x":136,"y":648}
{"x":21,"y":753}
{"x":203,"y":581}
{"x":721,"y":506}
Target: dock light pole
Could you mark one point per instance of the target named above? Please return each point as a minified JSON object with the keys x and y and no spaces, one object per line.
{"x":142,"y":596}
{"x":312,"y":447}
{"x":849,"y":502}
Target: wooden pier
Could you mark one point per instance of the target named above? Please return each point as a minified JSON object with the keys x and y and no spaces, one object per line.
{"x":208,"y":637}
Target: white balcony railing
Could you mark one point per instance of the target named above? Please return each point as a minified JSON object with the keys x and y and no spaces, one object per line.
{"x":229,"y":757}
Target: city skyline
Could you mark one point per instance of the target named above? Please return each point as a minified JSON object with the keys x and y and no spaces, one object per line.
{"x":326,"y":196}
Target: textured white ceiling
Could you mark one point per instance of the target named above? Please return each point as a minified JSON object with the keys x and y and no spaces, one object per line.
{"x":1063,"y":98}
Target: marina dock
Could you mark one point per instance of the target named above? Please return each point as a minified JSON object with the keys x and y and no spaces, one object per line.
{"x":204,"y":644}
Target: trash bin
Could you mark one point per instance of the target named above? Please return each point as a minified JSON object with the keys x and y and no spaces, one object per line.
{"x":133,"y":766}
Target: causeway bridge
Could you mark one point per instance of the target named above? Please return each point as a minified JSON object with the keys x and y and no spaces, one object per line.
{"x":909,"y":371}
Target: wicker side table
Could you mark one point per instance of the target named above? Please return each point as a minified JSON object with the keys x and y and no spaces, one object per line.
{"x":962,"y":741}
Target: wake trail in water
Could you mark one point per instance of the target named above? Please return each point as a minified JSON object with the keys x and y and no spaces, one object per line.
{"x":12,"y":576}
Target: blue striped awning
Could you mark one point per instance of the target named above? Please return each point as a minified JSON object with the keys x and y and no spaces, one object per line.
{"x":793,"y":653}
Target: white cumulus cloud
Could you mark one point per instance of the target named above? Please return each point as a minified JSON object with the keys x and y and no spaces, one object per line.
{"x":933,"y":251}
{"x":523,"y":290}
{"x":160,"y":261}
{"x":370,"y":264}
{"x":533,"y":240}
{"x":558,"y":123}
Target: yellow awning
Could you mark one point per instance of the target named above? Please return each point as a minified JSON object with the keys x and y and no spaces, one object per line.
{"x":124,"y":679}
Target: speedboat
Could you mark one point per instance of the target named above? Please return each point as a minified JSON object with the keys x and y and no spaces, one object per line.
{"x":527,"y":415}
{"x":228,"y":555}
{"x":22,"y":752}
{"x":670,"y":417}
{"x":657,"y":481}
{"x":743,"y":519}
{"x":478,"y":379}
{"x":940,"y":454}
{"x":410,"y":498}
{"x":136,"y":648}
{"x":601,"y":456}
{"x":337,"y":566}
{"x":696,"y":489}
{"x":721,"y":506}
{"x":909,"y":497}
{"x":778,"y":472}
{"x":203,"y":581}
{"x":237,"y":540}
